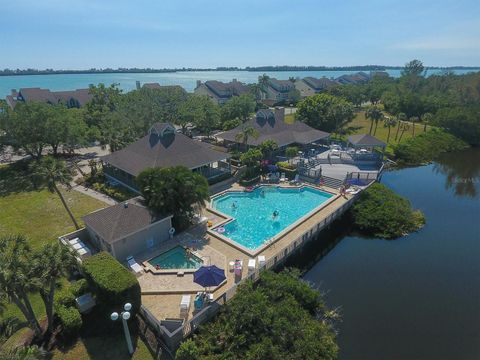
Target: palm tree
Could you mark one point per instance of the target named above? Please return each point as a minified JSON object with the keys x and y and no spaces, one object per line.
{"x":375,"y":115}
{"x":413,"y":120}
{"x":426,"y":118}
{"x":51,"y":263}
{"x":401,"y":117}
{"x":27,"y":353}
{"x":245,"y":134}
{"x":50,"y":171}
{"x":263,"y":82}
{"x":389,"y":122}
{"x":17,"y":279}
{"x":404,"y":128}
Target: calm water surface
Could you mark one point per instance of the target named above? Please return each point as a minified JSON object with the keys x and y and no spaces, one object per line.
{"x":186,"y":79}
{"x":417,"y":297}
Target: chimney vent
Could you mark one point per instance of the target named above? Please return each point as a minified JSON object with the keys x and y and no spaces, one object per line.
{"x":125,"y":204}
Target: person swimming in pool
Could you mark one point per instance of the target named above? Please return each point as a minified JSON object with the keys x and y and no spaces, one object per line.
{"x":275,"y":214}
{"x":262,"y":193}
{"x":234,"y":205}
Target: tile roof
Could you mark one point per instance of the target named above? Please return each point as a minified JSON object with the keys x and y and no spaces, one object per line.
{"x":365,"y":140}
{"x":115,"y":222}
{"x":161,"y":148}
{"x":279,"y":131}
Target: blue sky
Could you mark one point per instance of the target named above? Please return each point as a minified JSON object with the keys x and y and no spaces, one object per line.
{"x":82,"y":34}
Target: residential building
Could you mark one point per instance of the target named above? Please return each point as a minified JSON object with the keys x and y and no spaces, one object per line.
{"x":278,"y":91}
{"x":164,"y":147}
{"x":310,"y":86}
{"x":357,"y":78}
{"x":158,"y":86}
{"x":221,"y":92}
{"x":127,"y":229}
{"x":270,"y":125}
{"x":72,"y":99}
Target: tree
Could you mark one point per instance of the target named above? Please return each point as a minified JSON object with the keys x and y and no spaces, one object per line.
{"x":291,"y":152}
{"x":375,"y":115}
{"x":50,"y":264}
{"x":281,"y":317}
{"x":263,"y":83}
{"x":231,"y":124}
{"x":413,"y":120}
{"x":17,"y":279}
{"x":401,"y":117}
{"x":201,"y":112}
{"x":405,"y":127}
{"x":356,"y":94}
{"x":251,"y":157}
{"x":462,"y":122}
{"x":389,"y":122}
{"x":65,"y":127}
{"x":294,"y":95}
{"x":240,"y":107}
{"x":325,"y":112}
{"x":246,"y":133}
{"x":104,"y":101}
{"x":426,"y":119}
{"x":268,"y":147}
{"x":173,"y":190}
{"x":413,"y":67}
{"x":51,"y":172}
{"x":25,"y":127}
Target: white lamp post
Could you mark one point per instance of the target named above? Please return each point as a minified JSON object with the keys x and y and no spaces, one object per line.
{"x":125,"y":316}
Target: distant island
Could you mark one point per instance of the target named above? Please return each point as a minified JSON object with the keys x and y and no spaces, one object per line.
{"x":11,"y":72}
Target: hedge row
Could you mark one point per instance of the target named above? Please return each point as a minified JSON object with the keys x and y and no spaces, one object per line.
{"x":111,"y":282}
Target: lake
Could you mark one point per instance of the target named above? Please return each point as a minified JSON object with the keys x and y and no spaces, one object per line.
{"x":186,"y":79}
{"x":417,"y":297}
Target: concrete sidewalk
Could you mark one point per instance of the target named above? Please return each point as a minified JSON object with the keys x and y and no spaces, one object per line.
{"x":95,"y":194}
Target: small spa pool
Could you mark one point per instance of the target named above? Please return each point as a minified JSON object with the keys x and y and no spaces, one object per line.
{"x":176,"y":258}
{"x":265,"y":212}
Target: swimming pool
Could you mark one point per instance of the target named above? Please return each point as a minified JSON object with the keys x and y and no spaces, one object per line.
{"x":254,"y":222}
{"x":176,"y":258}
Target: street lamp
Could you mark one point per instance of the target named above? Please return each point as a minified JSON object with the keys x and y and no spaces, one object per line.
{"x":125,"y":316}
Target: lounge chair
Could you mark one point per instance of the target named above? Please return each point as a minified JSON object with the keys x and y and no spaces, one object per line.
{"x":136,"y":268}
{"x":296,"y":180}
{"x":251,"y":265}
{"x":283,"y":178}
{"x":261,"y":261}
{"x":238,"y":267}
{"x":185,"y":304}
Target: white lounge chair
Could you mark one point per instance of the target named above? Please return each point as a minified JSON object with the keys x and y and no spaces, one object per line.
{"x":251,"y":265}
{"x":283,"y":178}
{"x":296,"y":180}
{"x":185,"y":304}
{"x":137,"y":269}
{"x":261,"y":261}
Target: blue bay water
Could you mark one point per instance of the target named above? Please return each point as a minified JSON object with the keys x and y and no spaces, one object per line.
{"x":186,"y":79}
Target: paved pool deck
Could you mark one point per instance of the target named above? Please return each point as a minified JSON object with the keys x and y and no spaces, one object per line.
{"x":162,"y":293}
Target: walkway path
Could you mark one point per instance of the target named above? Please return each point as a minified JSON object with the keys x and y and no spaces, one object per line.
{"x":95,"y":194}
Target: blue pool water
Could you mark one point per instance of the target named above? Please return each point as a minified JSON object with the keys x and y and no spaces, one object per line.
{"x":254,"y":222}
{"x":176,"y":258}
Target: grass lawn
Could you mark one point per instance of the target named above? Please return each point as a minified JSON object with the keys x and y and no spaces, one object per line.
{"x":102,"y":348}
{"x":37,"y":214}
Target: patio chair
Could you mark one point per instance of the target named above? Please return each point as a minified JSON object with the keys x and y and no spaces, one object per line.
{"x":261,"y":261}
{"x":132,"y":264}
{"x":185,"y":304}
{"x":296,"y":180}
{"x":251,"y":265}
{"x":238,"y":267}
{"x":283,"y":178}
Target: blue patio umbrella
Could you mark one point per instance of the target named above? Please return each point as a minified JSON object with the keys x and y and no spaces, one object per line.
{"x":272,"y":168}
{"x":207,"y":276}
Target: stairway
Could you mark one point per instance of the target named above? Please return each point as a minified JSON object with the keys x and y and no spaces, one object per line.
{"x":332,"y":182}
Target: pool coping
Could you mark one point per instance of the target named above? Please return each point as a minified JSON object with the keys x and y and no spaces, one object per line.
{"x":278,"y":236}
{"x":149,"y":267}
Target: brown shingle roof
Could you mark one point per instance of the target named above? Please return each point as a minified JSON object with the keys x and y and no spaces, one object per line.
{"x":158,"y":86}
{"x":82,"y":96}
{"x":281,"y":85}
{"x":115,"y":222}
{"x":226,"y":90}
{"x":270,"y":129}
{"x":171,"y":149}
{"x":365,"y":140}
{"x":319,"y":84}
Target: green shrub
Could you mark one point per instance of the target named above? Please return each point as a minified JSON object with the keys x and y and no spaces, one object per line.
{"x":79,"y":287}
{"x":426,"y":147}
{"x":70,"y":319}
{"x":64,"y":297}
{"x":382,"y":213}
{"x":111,"y":282}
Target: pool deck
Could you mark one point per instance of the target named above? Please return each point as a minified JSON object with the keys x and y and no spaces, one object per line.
{"x":162,"y":293}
